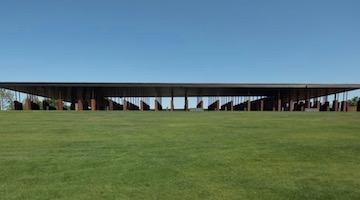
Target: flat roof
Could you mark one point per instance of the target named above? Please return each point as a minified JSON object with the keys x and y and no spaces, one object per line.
{"x":67,"y":90}
{"x":154,"y":84}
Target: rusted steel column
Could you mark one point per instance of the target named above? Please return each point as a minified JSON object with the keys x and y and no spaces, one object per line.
{"x":261,"y":105}
{"x":111,"y":105}
{"x":291,"y":105}
{"x":172,"y":103}
{"x":308,"y":103}
{"x":59,"y":104}
{"x":157,"y":105}
{"x":274,"y":104}
{"x":141,"y":106}
{"x":318,"y":105}
{"x":80,"y":105}
{"x":344,"y":106}
{"x":93,"y":104}
{"x":302,"y":106}
{"x":27,"y":105}
{"x":125,"y":105}
{"x":156,"y":108}
{"x":279,"y":105}
{"x":335,"y":106}
{"x":326,"y":106}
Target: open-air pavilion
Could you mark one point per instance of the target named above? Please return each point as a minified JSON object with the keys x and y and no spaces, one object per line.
{"x":219,"y":96}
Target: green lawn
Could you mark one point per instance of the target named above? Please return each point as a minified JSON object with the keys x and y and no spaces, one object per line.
{"x":179,"y":155}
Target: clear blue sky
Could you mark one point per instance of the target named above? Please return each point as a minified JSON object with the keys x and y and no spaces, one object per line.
{"x":180,"y":41}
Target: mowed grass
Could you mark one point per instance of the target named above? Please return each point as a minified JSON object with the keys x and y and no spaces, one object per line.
{"x":179,"y":155}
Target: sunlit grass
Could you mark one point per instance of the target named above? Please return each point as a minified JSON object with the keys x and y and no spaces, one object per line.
{"x":179,"y":155}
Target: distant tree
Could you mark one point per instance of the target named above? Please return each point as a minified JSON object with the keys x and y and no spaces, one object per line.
{"x":354,"y":101}
{"x":6,"y":99}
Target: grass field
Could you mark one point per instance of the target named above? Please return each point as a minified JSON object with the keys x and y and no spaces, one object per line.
{"x":193,"y":155}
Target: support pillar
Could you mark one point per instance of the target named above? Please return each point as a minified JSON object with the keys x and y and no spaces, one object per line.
{"x":125,"y":105}
{"x":172,"y":103}
{"x":141,"y":106}
{"x":335,"y":106}
{"x":59,"y":104}
{"x":291,"y":105}
{"x":318,"y":105}
{"x":93,"y":104}
{"x":144,"y":106}
{"x":111,"y":105}
{"x":27,"y":105}
{"x":358,"y":106}
{"x":325,"y":106}
{"x":279,"y":105}
{"x":231,"y":106}
{"x":274,"y":104}
{"x":308,"y":103}
{"x":248,"y":107}
{"x":186,"y":106}
{"x":261,"y":105}
{"x":344,"y":106}
{"x":79,"y":106}
{"x":157,"y":105}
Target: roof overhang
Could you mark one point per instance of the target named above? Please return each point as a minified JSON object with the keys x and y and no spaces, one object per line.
{"x":68,"y":91}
